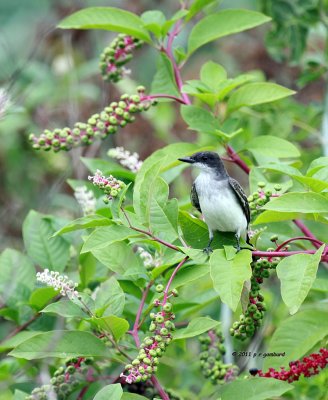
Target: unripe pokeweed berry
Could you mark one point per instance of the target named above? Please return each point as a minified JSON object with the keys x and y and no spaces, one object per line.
{"x":167,"y":307}
{"x":159,"y":288}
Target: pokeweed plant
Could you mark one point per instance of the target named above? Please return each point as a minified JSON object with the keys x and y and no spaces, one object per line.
{"x":100,"y":276}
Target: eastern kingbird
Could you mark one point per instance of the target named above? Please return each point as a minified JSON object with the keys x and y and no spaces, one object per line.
{"x":220,"y":198}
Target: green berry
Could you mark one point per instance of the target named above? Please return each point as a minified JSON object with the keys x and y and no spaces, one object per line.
{"x":261,"y":184}
{"x":167,"y":307}
{"x":159,"y":288}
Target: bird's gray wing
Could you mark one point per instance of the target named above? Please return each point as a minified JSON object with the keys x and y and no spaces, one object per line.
{"x":241,"y":197}
{"x":194,"y":198}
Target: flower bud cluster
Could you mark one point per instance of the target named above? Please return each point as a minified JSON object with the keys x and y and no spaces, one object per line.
{"x":127,"y":159}
{"x":149,"y":261}
{"x":211,"y":358}
{"x":86,"y":200}
{"x":117,"y":54}
{"x":260,"y":198}
{"x":252,"y":317}
{"x":308,"y":366}
{"x":65,"y":380}
{"x":110,"y":185}
{"x":98,"y":126}
{"x":153,"y":347}
{"x":58,"y":282}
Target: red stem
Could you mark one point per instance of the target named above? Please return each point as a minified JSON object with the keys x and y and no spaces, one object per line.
{"x":168,"y":51}
{"x":136,"y":326}
{"x":166,"y":291}
{"x":164,"y":96}
{"x":306,"y":232}
{"x":237,"y":160}
{"x":259,"y":253}
{"x":315,"y":242}
{"x":159,"y":388}
{"x":157,"y":239}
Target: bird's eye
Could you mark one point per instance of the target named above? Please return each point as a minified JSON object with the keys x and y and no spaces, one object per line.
{"x":205,"y":158}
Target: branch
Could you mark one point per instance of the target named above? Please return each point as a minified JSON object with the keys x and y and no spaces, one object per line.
{"x":164,"y":96}
{"x":304,"y":229}
{"x":166,"y":291}
{"x":315,"y":242}
{"x":259,"y":253}
{"x":137,"y":324}
{"x":148,"y":233}
{"x":168,"y":51}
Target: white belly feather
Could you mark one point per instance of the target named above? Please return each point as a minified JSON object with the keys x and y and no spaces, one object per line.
{"x":220,"y":208}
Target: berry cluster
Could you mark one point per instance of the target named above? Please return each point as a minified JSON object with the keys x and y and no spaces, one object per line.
{"x":307,"y":367}
{"x":211,"y":358}
{"x":260,"y":198}
{"x":153,"y":347}
{"x":253,"y":315}
{"x":117,"y":54}
{"x":110,"y":185}
{"x":117,"y":114}
{"x":64,"y":381}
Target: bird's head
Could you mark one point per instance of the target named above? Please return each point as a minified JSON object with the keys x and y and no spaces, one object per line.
{"x":205,"y":160}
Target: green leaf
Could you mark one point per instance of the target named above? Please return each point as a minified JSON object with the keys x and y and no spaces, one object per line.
{"x":190,"y":274}
{"x":65,"y":308}
{"x":163,"y":219}
{"x":316,"y":185}
{"x":132,"y":396}
{"x":60,"y":344}
{"x":212,"y":74}
{"x":316,"y":165}
{"x":112,"y":324}
{"x":197,"y":6}
{"x":117,"y":202}
{"x":41,"y":297}
{"x":160,"y":161}
{"x":48,"y":252}
{"x":110,"y":298}
{"x":302,"y":202}
{"x":257,"y":93}
{"x":274,"y":216}
{"x":153,"y":21}
{"x":103,"y":237}
{"x":297,"y":274}
{"x":229,"y":275}
{"x":195,"y":233}
{"x":112,"y":392}
{"x":17,"y":277}
{"x":164,"y":81}
{"x":296,"y":335}
{"x":196,"y":327}
{"x":108,"y":18}
{"x":199,"y":119}
{"x":119,"y":257}
{"x":19,"y":338}
{"x":19,"y":395}
{"x":223,"y":23}
{"x":272,"y":146}
{"x":89,"y":221}
{"x":254,"y":389}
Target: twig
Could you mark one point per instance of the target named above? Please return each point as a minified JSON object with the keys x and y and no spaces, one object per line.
{"x":304,"y":229}
{"x":315,"y":242}
{"x":164,"y":96}
{"x":166,"y":291}
{"x":159,"y":388}
{"x":136,"y":326}
{"x":148,"y":233}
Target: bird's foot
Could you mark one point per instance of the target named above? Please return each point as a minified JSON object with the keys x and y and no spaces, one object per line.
{"x":208,"y":250}
{"x":237,"y":247}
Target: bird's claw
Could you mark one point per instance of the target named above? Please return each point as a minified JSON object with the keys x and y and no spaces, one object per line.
{"x":208,"y":250}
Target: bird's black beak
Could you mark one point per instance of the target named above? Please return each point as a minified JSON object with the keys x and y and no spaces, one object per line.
{"x":188,"y":160}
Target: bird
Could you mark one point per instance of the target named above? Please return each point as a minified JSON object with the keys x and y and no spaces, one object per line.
{"x":220,"y":198}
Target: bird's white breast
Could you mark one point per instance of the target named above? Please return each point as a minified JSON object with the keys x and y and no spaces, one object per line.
{"x":219,"y":205}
